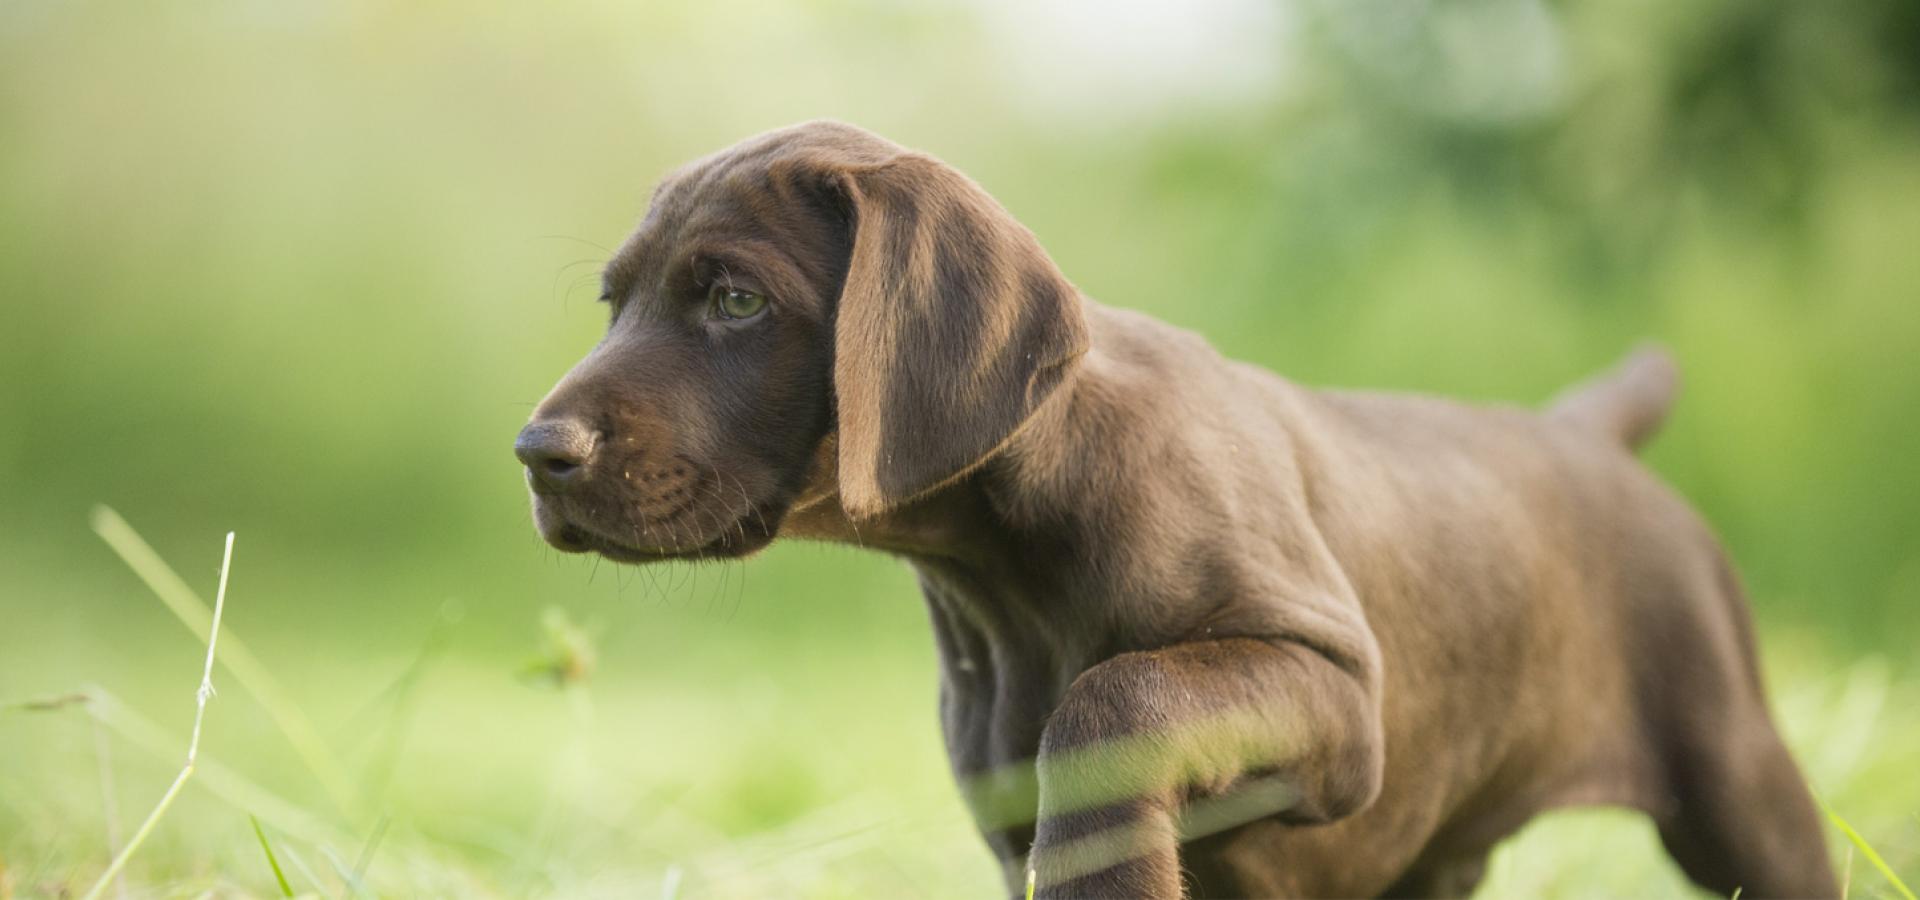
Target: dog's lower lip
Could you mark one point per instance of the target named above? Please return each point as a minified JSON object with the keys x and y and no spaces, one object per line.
{"x":573,"y":538}
{"x":742,"y":536}
{"x":621,"y":552}
{"x":609,"y":547}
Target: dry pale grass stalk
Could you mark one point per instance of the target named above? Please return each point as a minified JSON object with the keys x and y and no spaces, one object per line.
{"x":109,"y":807}
{"x":223,"y":783}
{"x":238,"y":661}
{"x":201,"y":697}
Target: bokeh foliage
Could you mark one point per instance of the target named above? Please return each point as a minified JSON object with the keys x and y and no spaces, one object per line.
{"x":301,"y":269}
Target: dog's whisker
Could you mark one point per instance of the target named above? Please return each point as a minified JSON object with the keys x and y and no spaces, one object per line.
{"x":554,"y":291}
{"x":577,"y":240}
{"x":733,"y":521}
{"x":751,"y":508}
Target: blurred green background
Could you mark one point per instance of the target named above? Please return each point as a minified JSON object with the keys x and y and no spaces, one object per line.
{"x":300,"y":270}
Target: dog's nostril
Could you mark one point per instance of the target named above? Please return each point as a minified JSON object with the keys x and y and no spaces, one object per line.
{"x":555,"y":453}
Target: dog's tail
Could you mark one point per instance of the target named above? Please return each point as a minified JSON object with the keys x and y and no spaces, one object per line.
{"x":1628,"y":402}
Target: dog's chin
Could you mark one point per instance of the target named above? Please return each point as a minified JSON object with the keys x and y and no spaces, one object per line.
{"x":742,"y":538}
{"x":731,"y":545}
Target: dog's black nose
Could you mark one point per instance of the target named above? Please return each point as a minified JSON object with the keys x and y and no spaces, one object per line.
{"x":556,"y":454}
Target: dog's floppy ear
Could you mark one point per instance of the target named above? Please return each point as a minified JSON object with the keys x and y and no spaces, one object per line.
{"x":953,"y":326}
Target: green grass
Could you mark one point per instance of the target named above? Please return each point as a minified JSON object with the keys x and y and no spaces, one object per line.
{"x":739,"y":789}
{"x":273,"y":862}
{"x":1867,"y":850}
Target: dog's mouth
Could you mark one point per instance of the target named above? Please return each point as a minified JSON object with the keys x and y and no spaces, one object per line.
{"x":568,"y":531}
{"x":727,"y":545}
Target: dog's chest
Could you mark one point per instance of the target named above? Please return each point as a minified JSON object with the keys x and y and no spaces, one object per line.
{"x":1007,"y":656}
{"x":1003,"y":668}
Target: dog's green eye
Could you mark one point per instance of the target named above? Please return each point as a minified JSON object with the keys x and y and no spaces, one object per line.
{"x":733,"y":303}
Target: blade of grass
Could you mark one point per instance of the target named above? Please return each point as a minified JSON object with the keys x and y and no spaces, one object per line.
{"x":201,"y":697}
{"x":1866,"y":850}
{"x":300,"y":865}
{"x":366,"y":853}
{"x":235,"y":790}
{"x":1846,"y":874}
{"x":109,"y":806}
{"x":378,"y":772}
{"x":286,"y":890}
{"x":238,"y":661}
{"x":353,"y":886}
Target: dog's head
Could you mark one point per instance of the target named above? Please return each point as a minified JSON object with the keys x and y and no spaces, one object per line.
{"x":816,"y":311}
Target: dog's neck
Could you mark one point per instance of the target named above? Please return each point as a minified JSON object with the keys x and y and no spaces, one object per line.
{"x":955,"y":521}
{"x":1044,"y":479}
{"x":958,"y":521}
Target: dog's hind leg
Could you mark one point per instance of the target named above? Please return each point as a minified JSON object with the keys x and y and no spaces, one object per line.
{"x":1744,"y":820}
{"x":1736,"y":813}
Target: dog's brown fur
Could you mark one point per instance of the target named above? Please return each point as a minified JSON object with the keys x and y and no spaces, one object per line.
{"x":1163,"y":582}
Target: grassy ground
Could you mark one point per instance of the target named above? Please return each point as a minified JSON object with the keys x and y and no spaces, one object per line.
{"x":742,"y":768}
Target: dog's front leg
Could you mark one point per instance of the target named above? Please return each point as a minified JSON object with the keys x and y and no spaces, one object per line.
{"x":1149,"y":747}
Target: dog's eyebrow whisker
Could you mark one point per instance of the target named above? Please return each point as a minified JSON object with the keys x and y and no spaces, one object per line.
{"x":575,"y":285}
{"x":553,"y":291}
{"x":563,"y":269}
{"x":577,"y":240}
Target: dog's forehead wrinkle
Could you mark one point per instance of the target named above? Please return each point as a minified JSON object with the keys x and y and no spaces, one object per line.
{"x":646,"y":256}
{"x":741,"y":227}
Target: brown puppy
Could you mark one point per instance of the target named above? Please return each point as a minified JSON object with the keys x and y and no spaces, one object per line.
{"x":1202,"y":630}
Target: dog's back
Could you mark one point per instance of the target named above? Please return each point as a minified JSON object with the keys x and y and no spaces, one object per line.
{"x":1549,"y":607}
